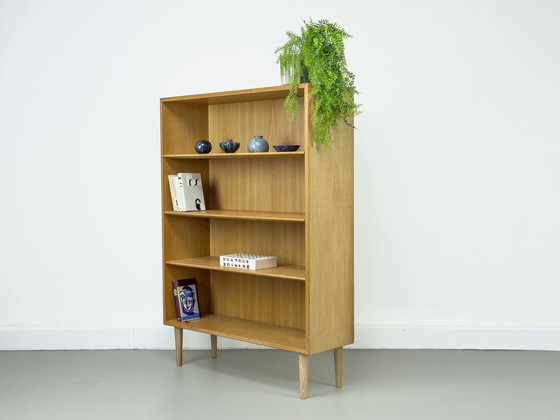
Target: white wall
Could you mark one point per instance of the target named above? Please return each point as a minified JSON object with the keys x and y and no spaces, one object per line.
{"x":457,"y":175}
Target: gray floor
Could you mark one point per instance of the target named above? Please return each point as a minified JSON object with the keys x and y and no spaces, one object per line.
{"x":263,"y":384}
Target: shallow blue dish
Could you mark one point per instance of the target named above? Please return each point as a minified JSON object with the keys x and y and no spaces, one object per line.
{"x":284,"y":148}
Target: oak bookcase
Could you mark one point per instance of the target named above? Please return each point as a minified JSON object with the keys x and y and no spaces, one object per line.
{"x":297,"y":206}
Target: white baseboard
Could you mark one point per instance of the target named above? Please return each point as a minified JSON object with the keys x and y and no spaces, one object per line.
{"x":365,"y":338}
{"x":459,"y":338}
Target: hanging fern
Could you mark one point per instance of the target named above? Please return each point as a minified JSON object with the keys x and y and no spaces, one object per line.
{"x":319,"y":49}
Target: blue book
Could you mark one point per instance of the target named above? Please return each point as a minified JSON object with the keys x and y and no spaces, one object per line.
{"x":186,"y":299}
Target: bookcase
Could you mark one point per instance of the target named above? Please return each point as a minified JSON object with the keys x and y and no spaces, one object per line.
{"x":297,"y":206}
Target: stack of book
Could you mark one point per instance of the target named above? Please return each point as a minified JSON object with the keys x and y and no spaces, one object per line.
{"x":186,"y":192}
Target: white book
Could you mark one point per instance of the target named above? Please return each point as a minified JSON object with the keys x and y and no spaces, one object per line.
{"x":179,"y":192}
{"x":173,"y":190}
{"x":248,"y":261}
{"x":192,"y":192}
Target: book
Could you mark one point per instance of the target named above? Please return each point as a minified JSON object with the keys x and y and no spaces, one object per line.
{"x":248,"y":261}
{"x":186,"y":299}
{"x":191,"y":191}
{"x":178,"y":180}
{"x":173,"y":190}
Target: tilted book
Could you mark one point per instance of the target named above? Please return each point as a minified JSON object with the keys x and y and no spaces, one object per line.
{"x":178,"y":182}
{"x":248,"y":261}
{"x":173,"y":190}
{"x":186,"y":299}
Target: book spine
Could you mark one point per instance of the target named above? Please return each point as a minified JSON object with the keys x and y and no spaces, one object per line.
{"x":262,"y":263}
{"x":179,"y":190}
{"x":172,"y":188}
{"x":177,"y":303}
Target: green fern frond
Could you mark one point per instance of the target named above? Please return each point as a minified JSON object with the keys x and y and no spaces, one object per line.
{"x":320,"y":49}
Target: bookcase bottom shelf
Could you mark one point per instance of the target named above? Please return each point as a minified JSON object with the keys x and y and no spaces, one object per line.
{"x":284,"y":338}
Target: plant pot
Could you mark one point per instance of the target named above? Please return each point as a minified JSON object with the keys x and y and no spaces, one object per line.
{"x":286,"y":78}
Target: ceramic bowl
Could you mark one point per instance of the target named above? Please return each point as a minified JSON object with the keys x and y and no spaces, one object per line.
{"x":286,"y":148}
{"x":229,"y":146}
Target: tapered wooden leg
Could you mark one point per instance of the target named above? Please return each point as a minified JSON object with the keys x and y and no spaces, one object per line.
{"x":303,"y":372}
{"x":179,"y":345}
{"x":338,"y":366}
{"x":214,"y":346}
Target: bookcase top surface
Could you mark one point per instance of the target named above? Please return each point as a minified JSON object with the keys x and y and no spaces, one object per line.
{"x":246,"y":95}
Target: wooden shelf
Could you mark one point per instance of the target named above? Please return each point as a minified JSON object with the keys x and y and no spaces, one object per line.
{"x":236,"y":96}
{"x":219,"y":155}
{"x":292,"y":272}
{"x":251,"y":331}
{"x":266,"y":216}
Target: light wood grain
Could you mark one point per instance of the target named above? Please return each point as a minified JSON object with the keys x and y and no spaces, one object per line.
{"x":179,"y":346}
{"x":183,"y":124}
{"x":268,"y":185}
{"x":303,"y":375}
{"x":265,"y":216}
{"x":292,"y":339}
{"x":338,"y":366}
{"x":330,"y":242}
{"x":296,"y":206}
{"x":216,"y":154}
{"x":286,"y":241}
{"x":289,"y":272}
{"x":266,"y":299}
{"x":245,"y":95}
{"x":214,"y":346}
{"x":242,"y":121}
{"x":202,"y":277}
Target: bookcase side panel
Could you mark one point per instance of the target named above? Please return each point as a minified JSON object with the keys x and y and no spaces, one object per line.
{"x":331,"y":242}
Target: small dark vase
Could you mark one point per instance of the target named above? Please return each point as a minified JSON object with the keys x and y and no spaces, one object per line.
{"x":203,"y":147}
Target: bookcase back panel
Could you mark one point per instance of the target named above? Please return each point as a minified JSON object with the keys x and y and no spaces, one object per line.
{"x":243,"y":120}
{"x":274,"y":184}
{"x":185,"y":237}
{"x":202,"y":284}
{"x":183,"y":124}
{"x":274,"y":301}
{"x":286,"y":241}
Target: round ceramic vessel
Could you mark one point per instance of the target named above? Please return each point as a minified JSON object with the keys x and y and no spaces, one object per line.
{"x":203,"y":147}
{"x":258,"y":144}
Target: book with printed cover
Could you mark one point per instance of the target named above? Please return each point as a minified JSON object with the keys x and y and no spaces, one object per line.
{"x":186,"y":299}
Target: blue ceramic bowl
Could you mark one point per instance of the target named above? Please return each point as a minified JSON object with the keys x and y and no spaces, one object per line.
{"x":284,"y":148}
{"x":229,"y":146}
